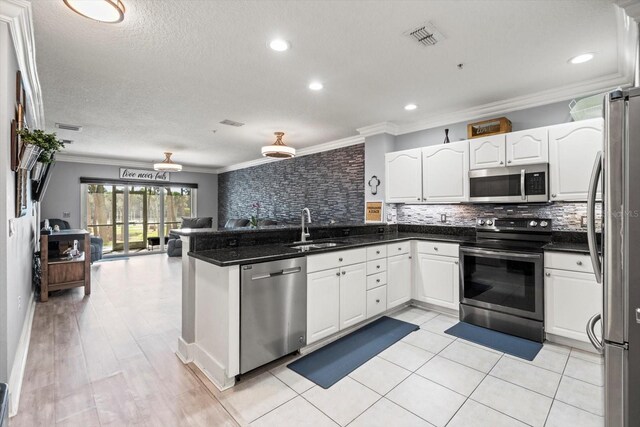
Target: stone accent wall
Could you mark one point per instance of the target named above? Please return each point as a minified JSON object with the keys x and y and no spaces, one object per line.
{"x":330,"y":184}
{"x":565,"y":216}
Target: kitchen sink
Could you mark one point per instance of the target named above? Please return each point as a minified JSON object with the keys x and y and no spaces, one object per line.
{"x":311,"y":246}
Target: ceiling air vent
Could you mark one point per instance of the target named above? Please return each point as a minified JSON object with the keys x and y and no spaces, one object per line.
{"x":426,"y":34}
{"x":231,"y":123}
{"x":74,"y":128}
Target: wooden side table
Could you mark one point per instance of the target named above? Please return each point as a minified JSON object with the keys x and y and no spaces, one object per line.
{"x":62,"y":272}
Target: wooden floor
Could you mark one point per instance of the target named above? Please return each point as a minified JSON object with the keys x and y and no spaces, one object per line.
{"x":108,"y":359}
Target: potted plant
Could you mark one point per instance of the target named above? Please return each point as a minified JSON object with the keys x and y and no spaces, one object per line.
{"x":253,"y":221}
{"x":42,"y":143}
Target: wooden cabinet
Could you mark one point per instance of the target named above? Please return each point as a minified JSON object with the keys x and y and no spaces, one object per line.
{"x":572,"y":152}
{"x":445,"y":175}
{"x":398,"y":279}
{"x":438,"y":280}
{"x":487,"y":152}
{"x":61,"y":272}
{"x":528,"y":147}
{"x":403,"y":171}
{"x":353,"y":295}
{"x":323,"y":304}
{"x":570,"y":299}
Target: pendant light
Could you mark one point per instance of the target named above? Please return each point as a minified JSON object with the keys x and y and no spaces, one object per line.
{"x":278,"y":150}
{"x":107,"y":11}
{"x":167,"y":165}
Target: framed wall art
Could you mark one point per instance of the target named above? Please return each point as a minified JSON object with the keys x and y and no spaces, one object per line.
{"x":22,"y":195}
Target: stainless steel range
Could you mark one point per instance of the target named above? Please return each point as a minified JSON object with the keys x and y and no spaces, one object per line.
{"x":501,"y":276}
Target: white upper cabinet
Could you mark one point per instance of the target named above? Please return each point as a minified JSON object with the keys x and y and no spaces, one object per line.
{"x":445,"y":172}
{"x":528,"y":147}
{"x":403,"y":171}
{"x":487,"y":152}
{"x":572,"y":151}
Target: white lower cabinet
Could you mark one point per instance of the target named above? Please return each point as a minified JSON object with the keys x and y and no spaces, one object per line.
{"x":323,"y":304}
{"x":398,"y":279}
{"x":570,"y":299}
{"x":438,"y":280}
{"x":353,"y":295}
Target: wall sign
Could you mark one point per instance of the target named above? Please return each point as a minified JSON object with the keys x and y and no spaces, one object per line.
{"x":144,"y":175}
{"x":373,"y":212}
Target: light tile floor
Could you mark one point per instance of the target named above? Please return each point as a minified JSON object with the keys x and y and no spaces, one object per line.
{"x":108,"y":359}
{"x":433,"y":379}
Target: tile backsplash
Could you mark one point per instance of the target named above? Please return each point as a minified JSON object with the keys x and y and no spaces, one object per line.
{"x":566,"y":216}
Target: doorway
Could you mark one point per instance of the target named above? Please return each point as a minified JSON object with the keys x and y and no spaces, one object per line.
{"x":134,"y":219}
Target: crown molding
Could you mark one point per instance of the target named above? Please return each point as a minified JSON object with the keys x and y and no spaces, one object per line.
{"x":17,"y":14}
{"x":327,"y":146}
{"x":72,"y":158}
{"x":375,"y":129}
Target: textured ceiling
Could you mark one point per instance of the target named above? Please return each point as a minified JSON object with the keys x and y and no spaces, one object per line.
{"x":163,"y":79}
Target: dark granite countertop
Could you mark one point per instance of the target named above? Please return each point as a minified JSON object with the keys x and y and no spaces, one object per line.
{"x":567,"y":247}
{"x":249,"y":230}
{"x":263,"y":253}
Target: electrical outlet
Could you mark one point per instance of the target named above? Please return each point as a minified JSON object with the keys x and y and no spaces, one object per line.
{"x":380,"y":229}
{"x":66,"y":214}
{"x":443,"y":217}
{"x":583,"y":221}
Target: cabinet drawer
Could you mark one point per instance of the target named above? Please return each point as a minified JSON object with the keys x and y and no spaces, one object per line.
{"x":439,"y":248}
{"x":399,"y":248}
{"x":66,"y":273}
{"x":376,"y":280}
{"x":335,"y":259}
{"x":376,"y":266}
{"x":376,"y":252}
{"x":376,"y":301}
{"x":568,"y":261}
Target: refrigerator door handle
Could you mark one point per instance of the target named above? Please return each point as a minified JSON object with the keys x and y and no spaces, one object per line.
{"x":591,"y":324}
{"x":591,"y":217}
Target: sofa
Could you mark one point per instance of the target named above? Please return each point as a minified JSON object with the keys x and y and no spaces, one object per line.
{"x":95,"y":241}
{"x":174,"y":245}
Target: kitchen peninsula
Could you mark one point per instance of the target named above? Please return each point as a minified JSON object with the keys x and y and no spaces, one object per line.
{"x":366,"y":271}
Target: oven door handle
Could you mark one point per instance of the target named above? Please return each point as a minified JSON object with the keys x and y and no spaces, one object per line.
{"x":522,"y":192}
{"x":499,"y":253}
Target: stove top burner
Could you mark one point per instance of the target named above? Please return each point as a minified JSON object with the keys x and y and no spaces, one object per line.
{"x":516,"y":234}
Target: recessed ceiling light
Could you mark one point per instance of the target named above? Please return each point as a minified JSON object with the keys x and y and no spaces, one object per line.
{"x":279,"y":45}
{"x":315,"y":86}
{"x":410,"y":107}
{"x":108,"y":11}
{"x":580,"y":59}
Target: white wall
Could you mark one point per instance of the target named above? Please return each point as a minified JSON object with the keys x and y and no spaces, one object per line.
{"x":15,"y":251}
{"x":63,"y":192}
{"x":545,"y":115}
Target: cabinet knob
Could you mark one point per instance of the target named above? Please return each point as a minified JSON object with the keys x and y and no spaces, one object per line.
{"x":377,"y":252}
{"x":344,"y":272}
{"x":340,"y":259}
{"x":579,"y":262}
{"x":418,"y":198}
{"x":508,"y":161}
{"x":455,"y":262}
{"x":377,"y":301}
{"x":553,"y":195}
{"x":435,"y":248}
{"x":501,"y":162}
{"x":377,"y":280}
{"x":399,"y":249}
{"x":377,"y":266}
{"x":338,"y":274}
{"x":547,"y":274}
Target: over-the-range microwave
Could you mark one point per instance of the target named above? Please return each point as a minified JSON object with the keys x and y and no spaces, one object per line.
{"x":511,"y":184}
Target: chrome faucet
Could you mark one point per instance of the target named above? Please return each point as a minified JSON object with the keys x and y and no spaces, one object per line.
{"x":305,"y":234}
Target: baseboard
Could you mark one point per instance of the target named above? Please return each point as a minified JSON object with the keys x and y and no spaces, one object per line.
{"x":436,"y":308}
{"x":20,"y":360}
{"x":212,"y":369}
{"x":570,"y":342}
{"x":185,"y":351}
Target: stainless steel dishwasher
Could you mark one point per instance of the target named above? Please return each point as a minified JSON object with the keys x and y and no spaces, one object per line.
{"x":273,"y":311}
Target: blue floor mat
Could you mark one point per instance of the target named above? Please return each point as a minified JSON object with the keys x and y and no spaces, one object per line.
{"x":329,"y":364}
{"x":505,"y":343}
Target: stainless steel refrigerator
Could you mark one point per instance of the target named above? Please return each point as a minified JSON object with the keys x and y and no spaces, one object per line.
{"x":617,"y":266}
